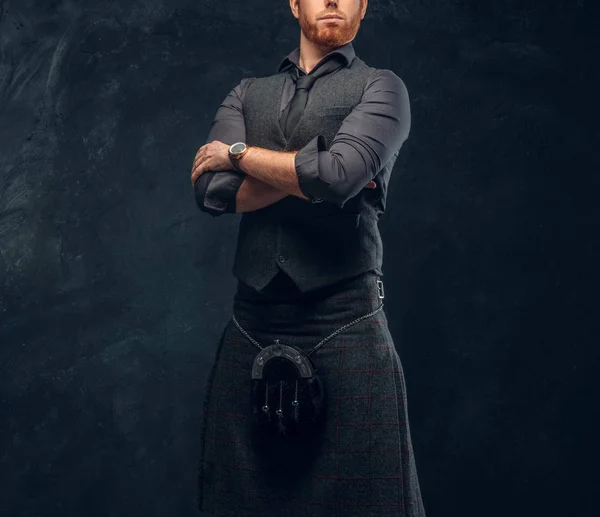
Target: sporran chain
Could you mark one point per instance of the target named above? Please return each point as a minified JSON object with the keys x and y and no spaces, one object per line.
{"x":323,"y":341}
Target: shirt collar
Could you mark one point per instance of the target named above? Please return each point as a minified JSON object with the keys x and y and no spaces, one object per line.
{"x":345,"y":51}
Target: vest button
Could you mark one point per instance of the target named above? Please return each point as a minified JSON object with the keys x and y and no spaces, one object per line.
{"x":281,"y":259}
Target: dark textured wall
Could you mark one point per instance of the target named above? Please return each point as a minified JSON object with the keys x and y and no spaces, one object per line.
{"x":114,"y":287}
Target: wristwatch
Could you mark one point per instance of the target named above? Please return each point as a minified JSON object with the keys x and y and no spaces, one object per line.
{"x":236,"y":151}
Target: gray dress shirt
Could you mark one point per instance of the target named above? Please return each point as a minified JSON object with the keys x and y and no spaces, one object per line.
{"x":367,"y":139}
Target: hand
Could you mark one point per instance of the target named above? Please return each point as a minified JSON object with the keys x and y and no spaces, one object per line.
{"x":213,"y":156}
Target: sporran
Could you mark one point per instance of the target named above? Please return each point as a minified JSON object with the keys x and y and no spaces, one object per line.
{"x":289,"y":400}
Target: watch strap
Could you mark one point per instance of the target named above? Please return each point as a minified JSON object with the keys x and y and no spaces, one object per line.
{"x":234,"y":161}
{"x":236,"y":158}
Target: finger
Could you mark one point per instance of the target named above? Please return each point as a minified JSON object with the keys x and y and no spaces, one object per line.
{"x":371,"y":184}
{"x":195,"y":166}
{"x":199,"y":156}
{"x":202,"y":151}
{"x":196,"y":174}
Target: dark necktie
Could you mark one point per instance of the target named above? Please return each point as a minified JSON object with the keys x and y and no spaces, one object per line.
{"x":303,"y":84}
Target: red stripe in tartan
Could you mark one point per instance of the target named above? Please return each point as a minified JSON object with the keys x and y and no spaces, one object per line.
{"x":231,"y":467}
{"x":237,"y":416}
{"x":305,"y":502}
{"x":239,"y":443}
{"x":326,"y":478}
{"x":243,"y":390}
{"x":370,"y":398}
{"x":225,"y":491}
{"x":357,"y":478}
{"x":337,"y":429}
{"x":237,"y":367}
{"x":316,"y":476}
{"x":230,"y":416}
{"x":244,"y":343}
{"x":370,"y":424}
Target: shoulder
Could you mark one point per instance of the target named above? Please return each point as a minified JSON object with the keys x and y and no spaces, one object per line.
{"x":238,"y":92}
{"x":243,"y":85}
{"x":247,"y":82}
{"x":382,"y":79}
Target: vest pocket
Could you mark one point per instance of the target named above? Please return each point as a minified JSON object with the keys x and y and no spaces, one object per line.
{"x":332,"y":111}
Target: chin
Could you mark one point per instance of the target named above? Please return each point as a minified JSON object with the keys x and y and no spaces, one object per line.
{"x":329,"y":42}
{"x":333,"y":37}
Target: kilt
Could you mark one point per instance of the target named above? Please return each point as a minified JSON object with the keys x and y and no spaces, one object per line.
{"x":363,"y":463}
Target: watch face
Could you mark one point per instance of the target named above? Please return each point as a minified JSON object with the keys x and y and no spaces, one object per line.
{"x":238,"y":147}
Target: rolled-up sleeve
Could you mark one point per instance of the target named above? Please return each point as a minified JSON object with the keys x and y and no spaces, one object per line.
{"x":215,"y":192}
{"x":368,"y":138}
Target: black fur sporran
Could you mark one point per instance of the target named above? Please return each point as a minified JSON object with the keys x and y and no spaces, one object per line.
{"x":288,"y":397}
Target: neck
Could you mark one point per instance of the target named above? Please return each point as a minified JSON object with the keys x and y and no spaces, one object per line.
{"x":311,"y":53}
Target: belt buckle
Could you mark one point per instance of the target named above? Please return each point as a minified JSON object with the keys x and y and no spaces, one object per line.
{"x":380,"y":291}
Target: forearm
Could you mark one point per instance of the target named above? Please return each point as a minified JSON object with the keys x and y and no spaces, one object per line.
{"x":254,"y":194}
{"x":275,"y":168}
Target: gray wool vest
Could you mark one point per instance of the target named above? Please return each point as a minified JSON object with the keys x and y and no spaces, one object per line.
{"x":316,"y":244}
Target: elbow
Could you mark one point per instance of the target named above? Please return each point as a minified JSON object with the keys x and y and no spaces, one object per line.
{"x":328,"y":176}
{"x":343,"y":183}
{"x":340,"y":192}
{"x":210,"y":210}
{"x":339,"y":178}
{"x":335,"y":191}
{"x":207,"y":208}
{"x":209,"y":199}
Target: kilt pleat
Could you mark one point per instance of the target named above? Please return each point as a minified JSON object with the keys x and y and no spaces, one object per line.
{"x":362,"y":463}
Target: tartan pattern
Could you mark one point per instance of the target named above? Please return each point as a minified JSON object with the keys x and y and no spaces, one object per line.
{"x":365,"y":465}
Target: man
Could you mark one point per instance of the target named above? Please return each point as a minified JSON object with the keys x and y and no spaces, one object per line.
{"x":309,"y":171}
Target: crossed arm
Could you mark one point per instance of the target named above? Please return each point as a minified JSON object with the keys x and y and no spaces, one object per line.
{"x":279,"y":179}
{"x":253,"y":195}
{"x":367,"y":139}
{"x":230,"y":191}
{"x":268,"y":175}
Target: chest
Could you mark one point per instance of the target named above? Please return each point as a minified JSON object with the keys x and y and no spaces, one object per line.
{"x":330,"y":101}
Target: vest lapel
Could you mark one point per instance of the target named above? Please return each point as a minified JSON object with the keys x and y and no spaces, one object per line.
{"x":276,"y":111}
